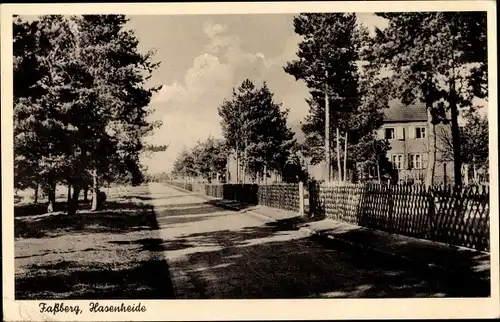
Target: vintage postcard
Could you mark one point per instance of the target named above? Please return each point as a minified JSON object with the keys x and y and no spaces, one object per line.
{"x":201,"y":161}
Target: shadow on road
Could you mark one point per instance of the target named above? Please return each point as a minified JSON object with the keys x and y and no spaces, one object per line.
{"x":118,"y":217}
{"x":84,"y":256}
{"x":272,"y":261}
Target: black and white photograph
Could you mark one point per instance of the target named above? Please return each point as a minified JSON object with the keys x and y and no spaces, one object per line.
{"x":306,"y":154}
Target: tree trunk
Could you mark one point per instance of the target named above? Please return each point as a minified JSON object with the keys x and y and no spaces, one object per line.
{"x":245,"y":164}
{"x":85,"y":192}
{"x":431,"y":160}
{"x":36,"y":191}
{"x":237,"y":164}
{"x":328,"y":166}
{"x":76,"y":192}
{"x":339,"y":167}
{"x":95,"y":190}
{"x":455,"y":135}
{"x":73,"y":201}
{"x":474,"y":169}
{"x":378,"y":172}
{"x":69,"y":193}
{"x":345,"y":158}
{"x":227,"y":169}
{"x":445,"y":174}
{"x":52,"y":197}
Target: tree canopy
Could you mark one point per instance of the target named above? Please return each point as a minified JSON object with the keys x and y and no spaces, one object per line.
{"x":255,"y":128}
{"x":208,"y":160}
{"x":82,"y":109}
{"x":329,"y":61}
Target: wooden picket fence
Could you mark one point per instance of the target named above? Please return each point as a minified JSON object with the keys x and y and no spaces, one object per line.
{"x":246,"y":193}
{"x":282,"y":195}
{"x":215,"y":190}
{"x":462,"y":217}
{"x":454,"y":216}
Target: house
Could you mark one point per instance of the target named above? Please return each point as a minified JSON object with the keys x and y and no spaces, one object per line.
{"x":406,"y":129}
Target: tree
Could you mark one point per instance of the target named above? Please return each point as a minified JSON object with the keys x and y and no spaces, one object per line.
{"x":207,"y":159}
{"x":435,"y":58}
{"x":42,"y":90}
{"x":474,"y":134}
{"x":254,"y":126}
{"x":26,"y":75}
{"x":119,"y":112}
{"x":296,"y":166}
{"x":372,"y":159}
{"x":88,"y":116}
{"x":210,"y":158}
{"x":184,"y":164}
{"x":151,"y":148}
{"x":328,"y":61}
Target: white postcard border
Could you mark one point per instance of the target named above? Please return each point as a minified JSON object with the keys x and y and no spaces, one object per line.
{"x":183,"y":310}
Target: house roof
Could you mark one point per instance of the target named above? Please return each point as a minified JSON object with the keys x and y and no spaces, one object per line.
{"x":399,"y":112}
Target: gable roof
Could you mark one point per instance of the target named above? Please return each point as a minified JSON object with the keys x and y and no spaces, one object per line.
{"x":399,"y":112}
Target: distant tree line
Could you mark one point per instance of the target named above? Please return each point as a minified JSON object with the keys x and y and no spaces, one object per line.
{"x":157,"y":177}
{"x":206,"y":160}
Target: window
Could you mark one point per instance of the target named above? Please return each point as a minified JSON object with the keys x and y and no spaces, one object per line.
{"x":390,"y":133}
{"x":420,"y":133}
{"x":415,"y":161}
{"x":397,"y":161}
{"x":394,"y":133}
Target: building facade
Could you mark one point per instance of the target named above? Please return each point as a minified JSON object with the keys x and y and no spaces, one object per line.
{"x":406,"y":129}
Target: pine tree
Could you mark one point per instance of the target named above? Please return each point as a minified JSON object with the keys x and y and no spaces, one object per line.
{"x":210,"y":158}
{"x":328,"y":59}
{"x":116,"y":117}
{"x":184,"y":165}
{"x":42,"y":131}
{"x":82,"y":113}
{"x":255,"y":127}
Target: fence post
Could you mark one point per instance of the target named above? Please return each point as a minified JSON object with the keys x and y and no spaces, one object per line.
{"x":301,"y":197}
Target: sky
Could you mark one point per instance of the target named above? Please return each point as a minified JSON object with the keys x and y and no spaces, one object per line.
{"x":203,"y":57}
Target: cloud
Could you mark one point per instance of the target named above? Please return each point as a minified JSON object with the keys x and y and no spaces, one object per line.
{"x":212,"y":30}
{"x":189,"y":108}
